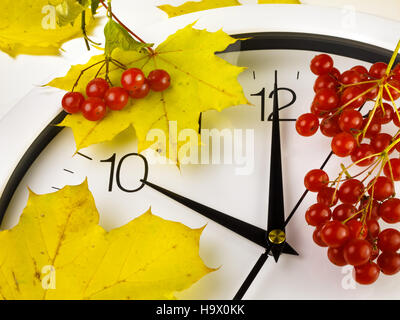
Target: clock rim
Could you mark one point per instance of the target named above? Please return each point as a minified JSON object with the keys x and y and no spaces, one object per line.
{"x":258,"y":41}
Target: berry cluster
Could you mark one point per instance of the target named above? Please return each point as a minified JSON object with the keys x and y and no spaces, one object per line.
{"x":101,"y":95}
{"x":349,"y":209}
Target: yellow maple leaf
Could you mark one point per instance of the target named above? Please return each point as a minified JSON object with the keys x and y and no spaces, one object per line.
{"x":30,"y":27}
{"x":194,"y":6}
{"x":58,"y":251}
{"x":201,"y":81}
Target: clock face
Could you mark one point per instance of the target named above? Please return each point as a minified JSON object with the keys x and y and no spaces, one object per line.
{"x":234,"y":178}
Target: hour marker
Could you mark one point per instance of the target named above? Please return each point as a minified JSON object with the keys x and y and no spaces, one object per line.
{"x":254,"y":75}
{"x":298,"y":75}
{"x":85,"y":156}
{"x":55,"y":188}
{"x":69,"y":171}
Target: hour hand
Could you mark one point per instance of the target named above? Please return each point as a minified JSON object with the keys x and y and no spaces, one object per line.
{"x":246,"y":230}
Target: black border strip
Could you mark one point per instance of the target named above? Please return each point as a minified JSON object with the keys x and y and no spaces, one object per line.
{"x":257,"y":41}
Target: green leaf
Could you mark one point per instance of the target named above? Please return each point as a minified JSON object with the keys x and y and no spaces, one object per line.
{"x":68,"y":10}
{"x":118,"y":37}
{"x":94,"y":5}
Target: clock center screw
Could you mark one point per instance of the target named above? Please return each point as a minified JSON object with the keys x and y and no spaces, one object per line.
{"x":276,"y":236}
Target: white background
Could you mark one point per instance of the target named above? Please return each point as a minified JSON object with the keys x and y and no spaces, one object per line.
{"x":20,"y":75}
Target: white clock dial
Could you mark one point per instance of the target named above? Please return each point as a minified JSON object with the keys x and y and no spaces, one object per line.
{"x":239,"y":189}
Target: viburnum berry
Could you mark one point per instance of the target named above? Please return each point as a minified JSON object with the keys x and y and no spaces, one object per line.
{"x":321,"y":64}
{"x":325,"y":81}
{"x":326,"y":99}
{"x":343,"y":212}
{"x":373,"y":128}
{"x":315,"y":180}
{"x":385,"y":115}
{"x":390,"y":210}
{"x":372,"y":208}
{"x":72,"y":102}
{"x":361,"y":155}
{"x":357,"y":252}
{"x":389,"y":262}
{"x":378,"y":70}
{"x":132,"y":79}
{"x":358,"y":230}
{"x":97,"y":88}
{"x":327,"y":196}
{"x":362,"y":71}
{"x":343,"y":144}
{"x":140,"y":92}
{"x":353,"y":97}
{"x":381,"y":141}
{"x":159,"y":80}
{"x":393,"y":90}
{"x":392,"y":169}
{"x":382,"y":188}
{"x":94,"y":109}
{"x":335,"y":73}
{"x":366,"y":273}
{"x":329,"y":126}
{"x":389,"y":240}
{"x":336,"y":256}
{"x":335,"y":234}
{"x":350,"y":120}
{"x":373,"y":228}
{"x":350,"y":77}
{"x":317,"y":236}
{"x":371,"y":90}
{"x":307,"y":124}
{"x":116,"y":98}
{"x":315,"y":110}
{"x":318,"y":214}
{"x":351,"y":191}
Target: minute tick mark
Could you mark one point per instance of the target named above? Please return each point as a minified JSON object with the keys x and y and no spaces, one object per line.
{"x":69,"y":171}
{"x":85,"y":156}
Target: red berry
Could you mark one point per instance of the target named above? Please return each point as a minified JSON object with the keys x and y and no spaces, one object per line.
{"x":351,"y":191}
{"x":372,"y":208}
{"x":326,"y":99}
{"x":330,"y":126}
{"x":140,"y":92}
{"x":335,"y":255}
{"x":94,"y":109}
{"x":132,"y":79}
{"x":350,"y":77}
{"x":357,"y":252}
{"x":315,"y":110}
{"x":390,"y":210}
{"x":315,"y":180}
{"x":325,"y":196}
{"x":371,"y":90}
{"x":362,"y":71}
{"x":392,"y":169}
{"x":393,"y":89}
{"x":321,"y":64}
{"x":389,"y":262}
{"x":307,"y":124}
{"x":383,"y":188}
{"x":317,"y":237}
{"x":318,"y":214}
{"x":367,"y":273}
{"x":361,"y":152}
{"x":378,"y":70}
{"x":381,"y":141}
{"x":389,"y":240}
{"x":116,"y":98}
{"x":350,"y":120}
{"x":159,"y":80}
{"x":343,"y":144}
{"x":72,"y":102}
{"x":373,"y":228}
{"x":335,"y":73}
{"x":358,"y":230}
{"x":335,"y":234}
{"x":325,"y":81}
{"x":384,"y":116}
{"x":373,"y":128}
{"x":353,"y":98}
{"x":97,"y":88}
{"x":343,"y":212}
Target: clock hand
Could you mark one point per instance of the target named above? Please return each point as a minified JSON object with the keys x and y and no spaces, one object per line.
{"x":246,"y":230}
{"x":276,"y":208}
